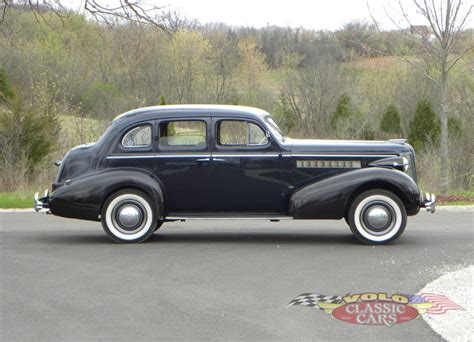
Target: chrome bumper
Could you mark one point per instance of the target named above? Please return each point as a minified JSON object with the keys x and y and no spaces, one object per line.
{"x":42,"y":204}
{"x":429,"y":203}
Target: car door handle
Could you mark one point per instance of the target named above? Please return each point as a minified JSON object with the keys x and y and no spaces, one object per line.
{"x":218,"y":159}
{"x":204,"y":160}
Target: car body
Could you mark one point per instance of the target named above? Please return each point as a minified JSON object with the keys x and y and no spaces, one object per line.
{"x":166,"y":163}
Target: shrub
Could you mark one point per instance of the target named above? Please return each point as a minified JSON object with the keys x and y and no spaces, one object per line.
{"x":391,"y":121}
{"x":343,"y":111}
{"x":425,"y":126}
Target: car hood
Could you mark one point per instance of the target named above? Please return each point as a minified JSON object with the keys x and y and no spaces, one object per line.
{"x":346,"y":146}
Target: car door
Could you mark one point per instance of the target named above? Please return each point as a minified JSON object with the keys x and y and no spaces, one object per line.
{"x":182,"y":163}
{"x":246,"y":168}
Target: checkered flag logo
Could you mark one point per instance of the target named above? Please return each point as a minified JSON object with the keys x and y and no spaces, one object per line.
{"x":312,"y":300}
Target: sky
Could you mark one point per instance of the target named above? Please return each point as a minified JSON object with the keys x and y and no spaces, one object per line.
{"x":313,"y":14}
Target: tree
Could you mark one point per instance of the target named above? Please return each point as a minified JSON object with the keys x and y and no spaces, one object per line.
{"x":343,"y":111}
{"x":252,"y":65}
{"x":162,"y":101}
{"x":391,"y":121}
{"x":425,"y":126}
{"x":347,"y":121}
{"x":26,"y":135}
{"x":438,"y":53}
{"x":189,"y":64}
{"x":125,"y":10}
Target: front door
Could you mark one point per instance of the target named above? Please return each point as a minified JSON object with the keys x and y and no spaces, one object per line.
{"x":183,"y":163}
{"x":246,"y":168}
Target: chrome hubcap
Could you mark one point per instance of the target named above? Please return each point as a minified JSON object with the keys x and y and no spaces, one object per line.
{"x":129,"y":216}
{"x":377,"y":217}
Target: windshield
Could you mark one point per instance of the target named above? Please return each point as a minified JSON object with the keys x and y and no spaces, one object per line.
{"x":276,"y":131}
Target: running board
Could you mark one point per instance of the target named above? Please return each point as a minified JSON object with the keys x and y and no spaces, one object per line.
{"x":184,"y":217}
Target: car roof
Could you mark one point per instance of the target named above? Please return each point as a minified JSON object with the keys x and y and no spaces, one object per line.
{"x":192,"y":110}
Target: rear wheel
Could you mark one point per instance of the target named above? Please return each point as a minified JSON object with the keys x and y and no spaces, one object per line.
{"x":377,"y":217}
{"x":129,"y":216}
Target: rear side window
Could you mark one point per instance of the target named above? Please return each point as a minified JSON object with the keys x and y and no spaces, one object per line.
{"x":240,"y":133}
{"x":137,"y":137}
{"x":190,"y":133}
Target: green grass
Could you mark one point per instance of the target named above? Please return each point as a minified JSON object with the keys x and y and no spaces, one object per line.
{"x":16,"y":200}
{"x":455,"y":203}
{"x":21,"y":200}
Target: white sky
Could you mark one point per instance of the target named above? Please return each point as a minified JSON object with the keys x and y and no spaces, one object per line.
{"x":314,"y":14}
{"x":311,"y":14}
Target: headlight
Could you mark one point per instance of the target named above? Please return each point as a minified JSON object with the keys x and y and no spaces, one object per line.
{"x":406,"y":164}
{"x":409,"y":164}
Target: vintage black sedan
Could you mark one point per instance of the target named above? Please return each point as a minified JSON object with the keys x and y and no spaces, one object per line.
{"x":183,"y":162}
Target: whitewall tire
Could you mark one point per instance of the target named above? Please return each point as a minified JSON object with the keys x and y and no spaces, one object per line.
{"x":129,"y":216}
{"x":377,"y":217}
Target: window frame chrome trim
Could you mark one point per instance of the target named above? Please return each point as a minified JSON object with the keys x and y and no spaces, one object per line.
{"x":141,"y":146}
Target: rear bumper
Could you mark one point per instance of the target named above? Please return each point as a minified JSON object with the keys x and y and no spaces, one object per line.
{"x":428,"y":202}
{"x":42,"y":203}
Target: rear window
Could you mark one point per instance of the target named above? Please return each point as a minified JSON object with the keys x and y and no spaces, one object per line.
{"x":137,"y":137}
{"x":190,"y":133}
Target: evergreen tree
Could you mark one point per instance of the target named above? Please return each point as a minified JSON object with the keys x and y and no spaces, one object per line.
{"x":343,"y":111}
{"x":425,"y":126}
{"x":162,"y":100}
{"x":391,"y":121}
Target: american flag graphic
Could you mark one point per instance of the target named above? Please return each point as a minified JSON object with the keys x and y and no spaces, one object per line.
{"x":441,"y":304}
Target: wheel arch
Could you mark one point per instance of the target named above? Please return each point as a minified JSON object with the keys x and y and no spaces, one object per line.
{"x":374,"y":185}
{"x":330,"y":198}
{"x":84,"y":197}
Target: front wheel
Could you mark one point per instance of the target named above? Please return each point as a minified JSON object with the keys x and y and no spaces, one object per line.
{"x":129,"y":216}
{"x":377,"y":217}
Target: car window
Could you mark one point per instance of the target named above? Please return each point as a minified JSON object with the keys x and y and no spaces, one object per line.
{"x":183,"y":133}
{"x":233,"y":133}
{"x":137,"y":137}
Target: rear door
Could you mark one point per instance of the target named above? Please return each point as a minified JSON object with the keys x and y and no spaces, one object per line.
{"x":183,"y":163}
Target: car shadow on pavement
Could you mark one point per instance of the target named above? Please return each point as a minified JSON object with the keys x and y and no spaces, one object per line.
{"x":167,"y":237}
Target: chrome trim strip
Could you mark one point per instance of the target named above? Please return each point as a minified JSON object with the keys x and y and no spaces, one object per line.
{"x":339,"y":155}
{"x":131,"y":156}
{"x":174,"y":155}
{"x":255,"y":155}
{"x":249,"y":155}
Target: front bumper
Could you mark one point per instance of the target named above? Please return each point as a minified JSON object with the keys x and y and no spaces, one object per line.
{"x":428,"y":202}
{"x":42,"y":204}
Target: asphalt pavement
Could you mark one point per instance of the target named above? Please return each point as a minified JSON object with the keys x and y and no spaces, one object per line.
{"x":212,"y":280}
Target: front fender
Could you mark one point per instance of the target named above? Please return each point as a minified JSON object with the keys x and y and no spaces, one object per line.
{"x":330,"y":198}
{"x":83,"y":197}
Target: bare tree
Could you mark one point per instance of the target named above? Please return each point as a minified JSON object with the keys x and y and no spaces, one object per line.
{"x":437,"y":53}
{"x":102,"y":10}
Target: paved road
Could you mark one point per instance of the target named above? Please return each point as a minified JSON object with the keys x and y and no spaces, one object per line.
{"x":64,"y":279}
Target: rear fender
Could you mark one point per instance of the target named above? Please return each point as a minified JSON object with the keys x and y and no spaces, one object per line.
{"x":330,"y":198}
{"x":83,"y":197}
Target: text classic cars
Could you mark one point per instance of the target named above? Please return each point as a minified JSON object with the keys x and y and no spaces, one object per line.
{"x":167,"y":163}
